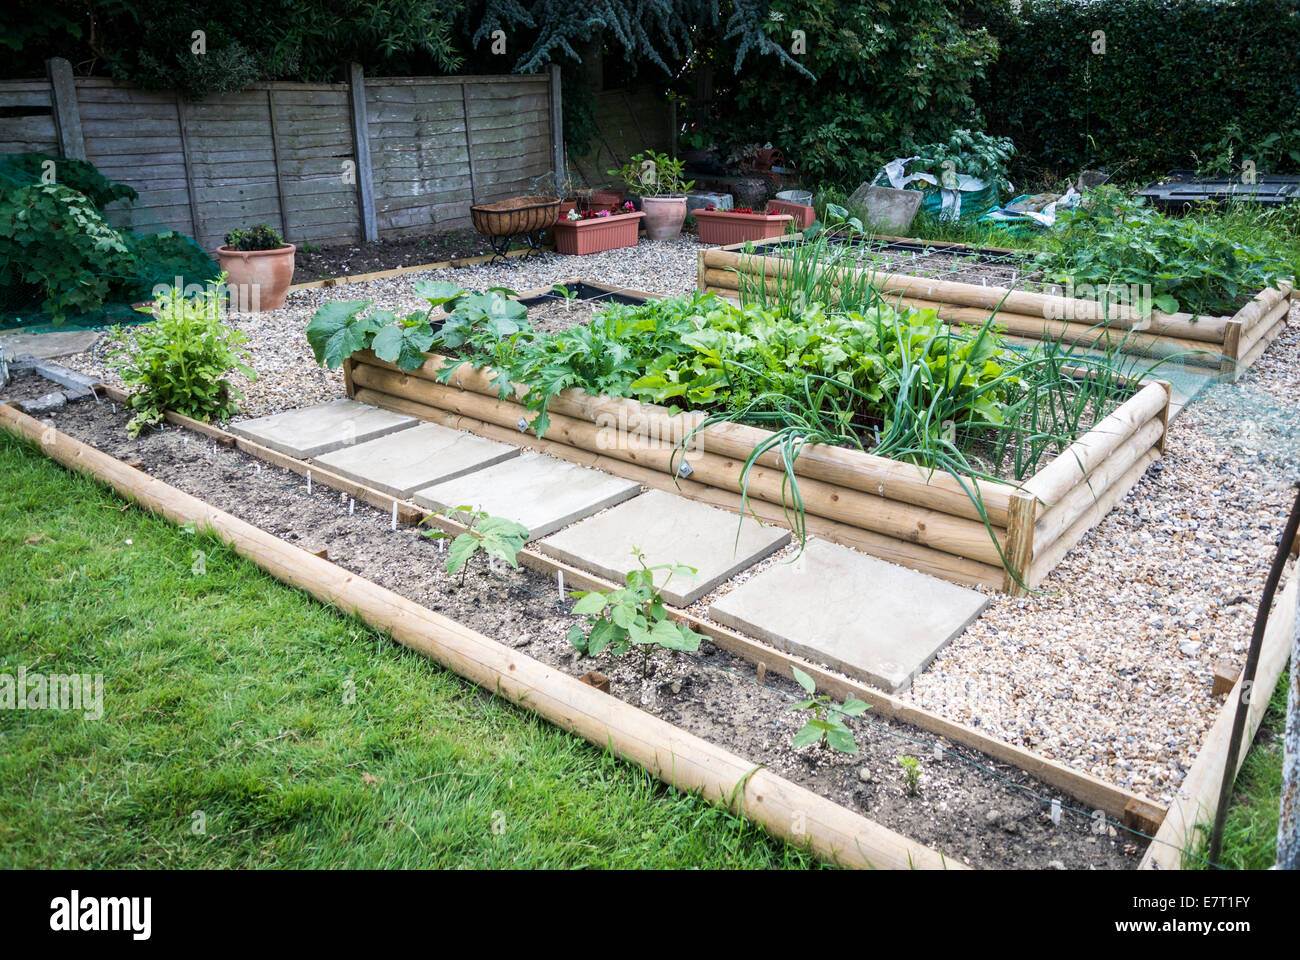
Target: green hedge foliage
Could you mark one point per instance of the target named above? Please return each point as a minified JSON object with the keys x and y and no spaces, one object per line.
{"x":1182,"y":83}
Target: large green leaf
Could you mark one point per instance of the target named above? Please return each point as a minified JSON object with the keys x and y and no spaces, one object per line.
{"x":327,"y":331}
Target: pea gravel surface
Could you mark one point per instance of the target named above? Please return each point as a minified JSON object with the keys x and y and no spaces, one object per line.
{"x":1108,"y":667}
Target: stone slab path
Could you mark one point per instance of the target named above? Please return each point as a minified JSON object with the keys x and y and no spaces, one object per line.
{"x":867,"y":618}
{"x":670,"y":530}
{"x":540,"y":492}
{"x":862,"y":616}
{"x":401,"y":463}
{"x":311,"y":431}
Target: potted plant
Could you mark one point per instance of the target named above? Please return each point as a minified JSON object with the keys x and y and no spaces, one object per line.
{"x":580,"y":233}
{"x":740,"y":225}
{"x":259,"y":266}
{"x":657,"y":179}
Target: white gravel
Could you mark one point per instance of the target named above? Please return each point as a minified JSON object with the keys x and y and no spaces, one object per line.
{"x":1109,"y":667}
{"x":287,"y":373}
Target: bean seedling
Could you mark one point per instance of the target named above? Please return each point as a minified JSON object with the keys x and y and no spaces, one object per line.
{"x":633,"y":616}
{"x":825,"y":729}
{"x":494,"y":536}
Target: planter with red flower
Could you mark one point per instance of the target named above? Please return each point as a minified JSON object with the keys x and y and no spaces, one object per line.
{"x":579,"y":234}
{"x":740,"y":225}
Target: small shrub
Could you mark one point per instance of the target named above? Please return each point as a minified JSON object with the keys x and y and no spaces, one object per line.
{"x":260,"y":237}
{"x":179,"y":362}
{"x":56,"y":244}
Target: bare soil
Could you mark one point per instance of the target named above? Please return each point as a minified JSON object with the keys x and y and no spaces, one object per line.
{"x":324,"y":263}
{"x":970,"y":806}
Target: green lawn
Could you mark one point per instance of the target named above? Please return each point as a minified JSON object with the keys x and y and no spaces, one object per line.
{"x":225,"y":695}
{"x":1250,"y":832}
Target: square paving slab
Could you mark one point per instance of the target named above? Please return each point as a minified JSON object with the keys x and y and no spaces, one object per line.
{"x":864,"y":617}
{"x":407,"y":460}
{"x":670,"y":529}
{"x":311,"y":431}
{"x":541,"y":492}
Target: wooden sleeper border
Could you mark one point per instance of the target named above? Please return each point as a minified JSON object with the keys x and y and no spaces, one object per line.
{"x":435,"y":636}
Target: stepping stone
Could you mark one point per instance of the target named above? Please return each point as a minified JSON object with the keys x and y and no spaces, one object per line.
{"x":869,"y":619}
{"x":669,"y":529}
{"x":311,"y":431}
{"x":540,"y":492}
{"x":403,"y":462}
{"x":48,"y":346}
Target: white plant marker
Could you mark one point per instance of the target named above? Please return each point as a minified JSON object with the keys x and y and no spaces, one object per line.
{"x":1056,"y":813}
{"x":352,"y":506}
{"x":394,"y":516}
{"x":938,"y":752}
{"x":309,"y":483}
{"x":559,"y":579}
{"x":442,"y":545}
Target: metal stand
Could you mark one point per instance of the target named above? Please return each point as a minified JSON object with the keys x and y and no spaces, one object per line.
{"x":501,"y":245}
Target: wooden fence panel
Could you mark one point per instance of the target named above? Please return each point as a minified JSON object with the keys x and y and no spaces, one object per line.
{"x":287,"y":154}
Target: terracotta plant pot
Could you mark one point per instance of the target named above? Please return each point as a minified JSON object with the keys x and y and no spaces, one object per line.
{"x":664,"y":216}
{"x":581,"y":237}
{"x":724,"y":226}
{"x":803,"y":214}
{"x":258,"y":279}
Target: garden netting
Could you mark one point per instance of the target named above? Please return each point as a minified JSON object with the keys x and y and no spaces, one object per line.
{"x":104,"y":254}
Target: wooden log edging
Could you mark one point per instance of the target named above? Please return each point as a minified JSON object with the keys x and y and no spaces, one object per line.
{"x":1115,"y":801}
{"x":1197,"y":798}
{"x":1228,"y":343}
{"x":892,"y":510}
{"x":683,"y":760}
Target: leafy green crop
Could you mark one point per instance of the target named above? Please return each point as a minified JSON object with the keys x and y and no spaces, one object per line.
{"x":633,"y":616}
{"x":179,"y":362}
{"x":339,"y":328}
{"x":1188,"y":263}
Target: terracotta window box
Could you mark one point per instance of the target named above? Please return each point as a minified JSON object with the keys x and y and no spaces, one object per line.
{"x":803,"y":214}
{"x":726,"y":226}
{"x":597,"y":234}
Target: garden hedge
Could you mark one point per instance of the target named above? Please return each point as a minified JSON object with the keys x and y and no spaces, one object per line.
{"x":1176,"y":76}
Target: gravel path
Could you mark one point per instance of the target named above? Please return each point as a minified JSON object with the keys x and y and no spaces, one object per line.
{"x":1109,"y":667}
{"x":287,"y":373}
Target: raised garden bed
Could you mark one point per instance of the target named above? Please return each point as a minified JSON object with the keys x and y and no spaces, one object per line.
{"x":954,"y":811}
{"x":899,"y":267}
{"x":927,"y":520}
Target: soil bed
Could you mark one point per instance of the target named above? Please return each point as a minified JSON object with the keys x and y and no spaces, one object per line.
{"x":324,"y":263}
{"x":999,"y":818}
